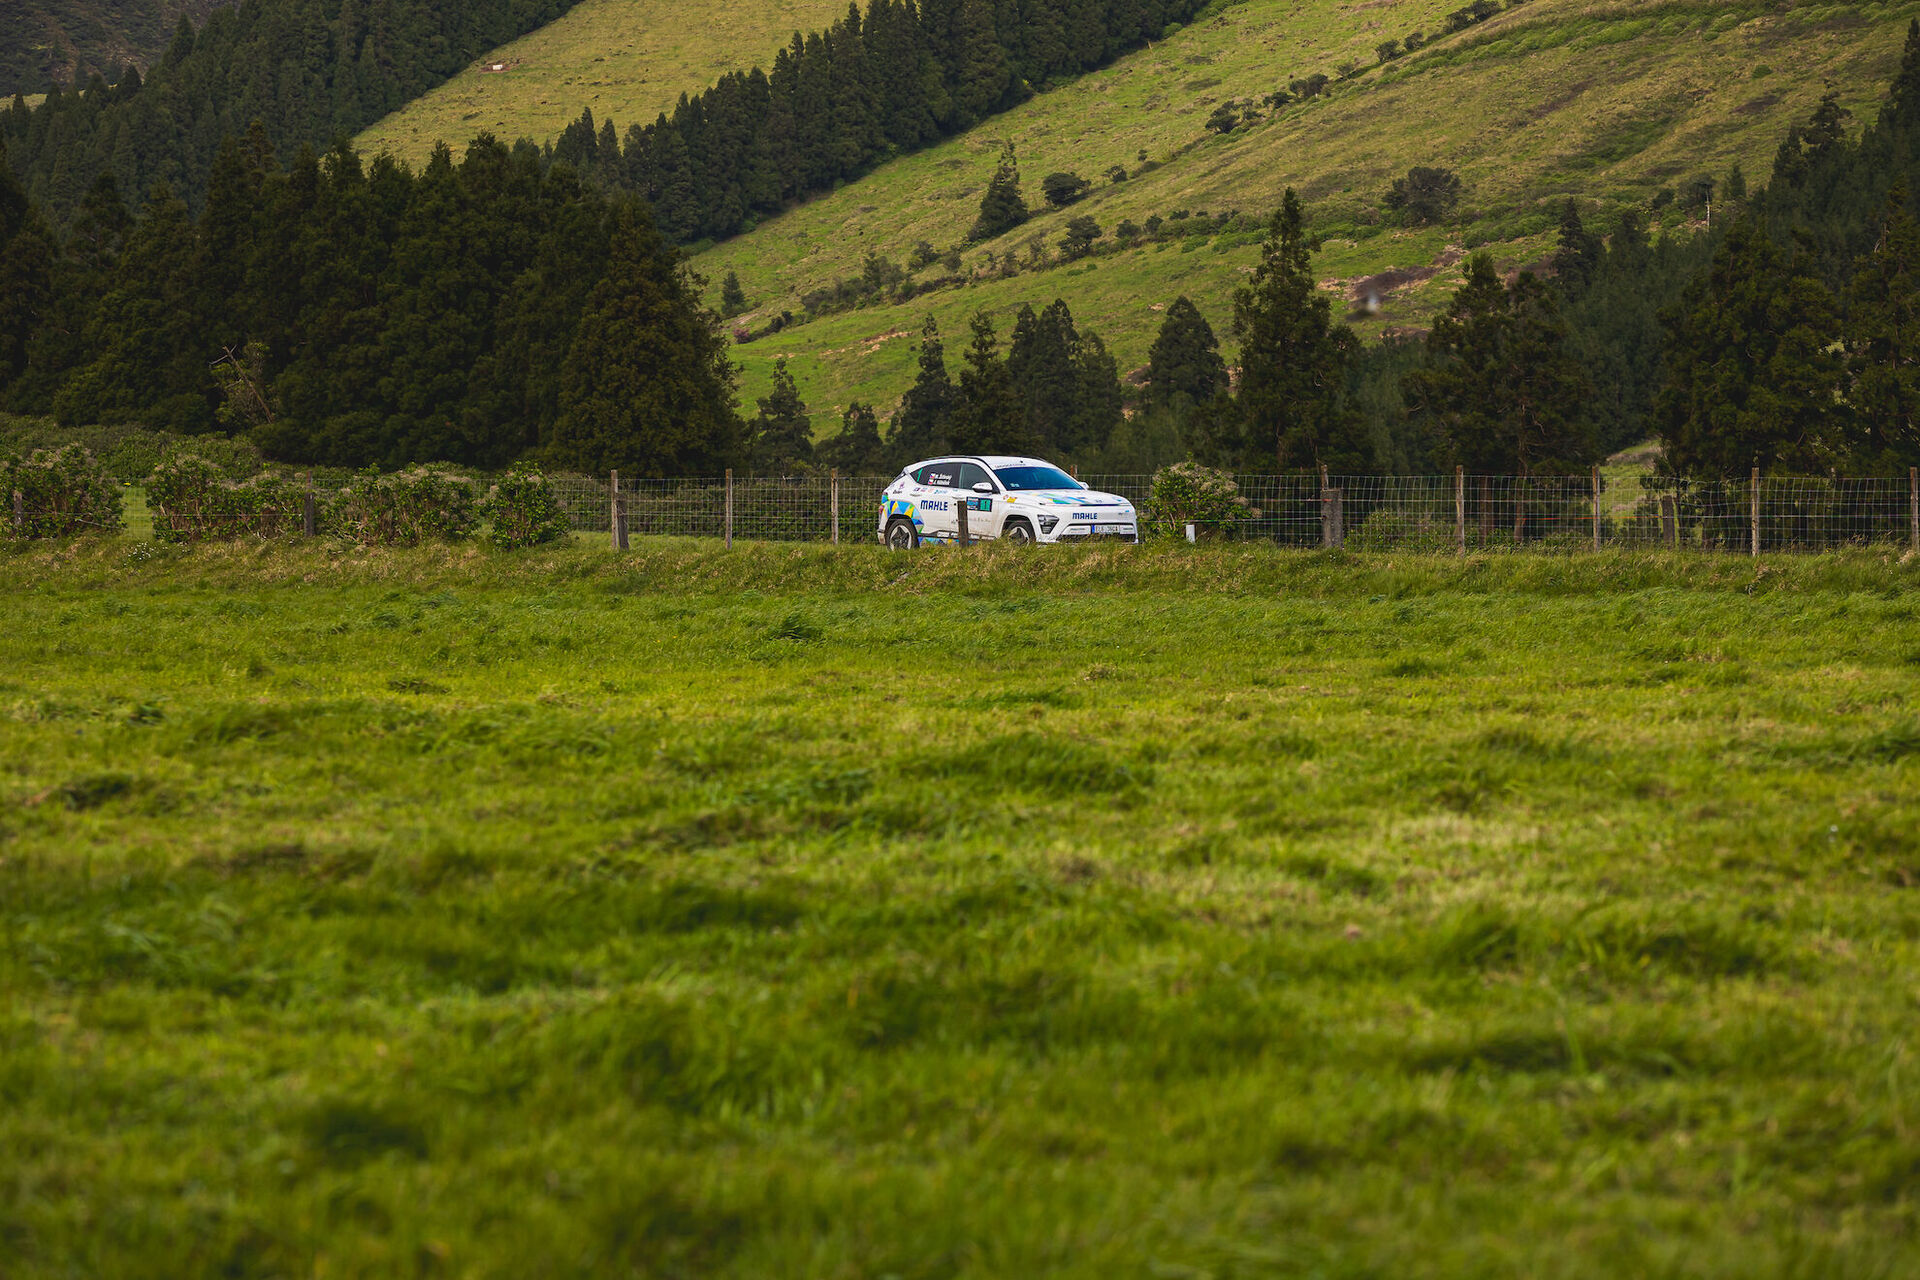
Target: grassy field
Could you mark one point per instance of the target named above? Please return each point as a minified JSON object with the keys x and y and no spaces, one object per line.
{"x":628,"y":60}
{"x":1605,"y":101}
{"x":811,"y":912}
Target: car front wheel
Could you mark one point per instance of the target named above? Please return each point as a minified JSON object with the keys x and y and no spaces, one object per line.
{"x":901,"y":535}
{"x":1018,"y":532}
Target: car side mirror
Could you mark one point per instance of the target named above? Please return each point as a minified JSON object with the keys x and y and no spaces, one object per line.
{"x":983,"y":487}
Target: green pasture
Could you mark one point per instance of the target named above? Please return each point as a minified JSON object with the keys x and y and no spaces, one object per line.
{"x":1607,"y":102}
{"x":627,"y":60}
{"x":806,"y":911}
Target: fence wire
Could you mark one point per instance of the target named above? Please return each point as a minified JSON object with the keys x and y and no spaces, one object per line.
{"x":1372,"y":513}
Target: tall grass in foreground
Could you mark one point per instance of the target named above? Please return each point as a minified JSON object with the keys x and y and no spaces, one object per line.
{"x":795,"y":911}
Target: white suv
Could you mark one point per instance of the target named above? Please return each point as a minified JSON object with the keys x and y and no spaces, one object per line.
{"x":1019,"y":499}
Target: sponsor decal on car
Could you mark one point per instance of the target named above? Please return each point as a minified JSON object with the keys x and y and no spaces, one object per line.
{"x":932,"y":504}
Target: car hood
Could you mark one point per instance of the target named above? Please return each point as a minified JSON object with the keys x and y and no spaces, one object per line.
{"x":1065,"y":498}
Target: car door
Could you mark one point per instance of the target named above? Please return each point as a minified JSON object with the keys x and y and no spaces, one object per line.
{"x":938,"y":499}
{"x":986,"y":512}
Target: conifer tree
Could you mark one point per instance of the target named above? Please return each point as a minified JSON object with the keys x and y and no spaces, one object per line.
{"x":924,"y":423}
{"x":1883,"y":343}
{"x":1293,"y":358}
{"x":782,"y":434}
{"x":858,"y":449}
{"x":989,"y":417}
{"x":980,"y":63}
{"x":733,"y":299}
{"x":1579,"y":254}
{"x":1184,"y":367}
{"x":1099,"y":401}
{"x":1902,"y":109}
{"x":1752,"y":378}
{"x":1501,"y":390}
{"x":26,"y":275}
{"x":646,"y":387}
{"x":1001,"y":209}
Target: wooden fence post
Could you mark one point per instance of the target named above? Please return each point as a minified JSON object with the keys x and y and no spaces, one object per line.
{"x":309,"y":513}
{"x":729,"y":508}
{"x":1753,"y":503}
{"x":1326,"y":512}
{"x":966,"y":505}
{"x":1596,"y":508}
{"x":1460,"y":507}
{"x":1913,"y":504}
{"x":616,"y":514}
{"x":1669,"y":522}
{"x":833,"y":502}
{"x":19,"y":514}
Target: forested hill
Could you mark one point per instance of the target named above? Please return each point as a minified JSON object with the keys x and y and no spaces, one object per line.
{"x":306,"y":70}
{"x":44,"y":43}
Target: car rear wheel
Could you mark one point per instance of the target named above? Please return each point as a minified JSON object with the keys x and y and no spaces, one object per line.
{"x":1018,"y":532}
{"x":901,"y":535}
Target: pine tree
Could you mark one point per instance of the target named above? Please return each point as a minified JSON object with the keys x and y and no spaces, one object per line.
{"x":858,"y":449}
{"x":1461,"y":391}
{"x":1501,"y":389}
{"x":1883,"y":344}
{"x":1902,"y":110}
{"x":733,"y":299}
{"x":980,"y":63}
{"x":989,"y":417}
{"x":26,"y":275}
{"x":1001,"y":209}
{"x":1293,"y":358}
{"x":782,"y":434}
{"x":1040,"y":363}
{"x":1099,"y":401}
{"x":1579,"y":254}
{"x":1752,"y":379}
{"x":646,"y":387}
{"x":1184,"y":367}
{"x":924,"y":424}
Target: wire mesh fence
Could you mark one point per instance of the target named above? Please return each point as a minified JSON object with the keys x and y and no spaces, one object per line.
{"x":1458,"y":512}
{"x":1436,"y":513}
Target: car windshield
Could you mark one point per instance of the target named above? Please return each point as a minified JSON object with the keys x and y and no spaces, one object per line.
{"x":1041,"y":477}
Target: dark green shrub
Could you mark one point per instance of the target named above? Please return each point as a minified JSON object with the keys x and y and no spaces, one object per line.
{"x":192,"y":499}
{"x":61,"y":492}
{"x":404,"y":508}
{"x":523,"y":511}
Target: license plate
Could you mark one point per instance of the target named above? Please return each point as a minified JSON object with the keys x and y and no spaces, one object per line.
{"x":1113,"y":531}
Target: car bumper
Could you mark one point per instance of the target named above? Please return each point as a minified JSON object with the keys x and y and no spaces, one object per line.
{"x":1100,"y":531}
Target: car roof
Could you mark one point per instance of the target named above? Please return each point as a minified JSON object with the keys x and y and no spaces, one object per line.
{"x":994,"y":460}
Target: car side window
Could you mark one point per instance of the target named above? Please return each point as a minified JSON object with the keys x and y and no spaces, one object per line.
{"x":971,"y":474}
{"x":939,"y":475}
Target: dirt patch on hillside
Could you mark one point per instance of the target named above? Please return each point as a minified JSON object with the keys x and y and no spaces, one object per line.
{"x":1383,"y":285}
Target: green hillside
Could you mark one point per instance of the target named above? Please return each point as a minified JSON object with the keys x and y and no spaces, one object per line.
{"x":627,"y":60}
{"x":1608,"y":102}
{"x":46,"y":42}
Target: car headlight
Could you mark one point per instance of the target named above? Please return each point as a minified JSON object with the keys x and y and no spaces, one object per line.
{"x":1047,"y":523}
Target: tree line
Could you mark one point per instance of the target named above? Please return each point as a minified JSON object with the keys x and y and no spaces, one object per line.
{"x":835,"y":103}
{"x":351,"y":314}
{"x":307,"y":71}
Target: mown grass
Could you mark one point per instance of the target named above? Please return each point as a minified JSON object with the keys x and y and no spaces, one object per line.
{"x":814,"y":911}
{"x":1607,"y":102}
{"x":628,"y":60}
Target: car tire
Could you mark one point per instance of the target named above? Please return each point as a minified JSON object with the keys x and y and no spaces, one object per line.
{"x":1018,"y":532}
{"x":901,"y":535}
